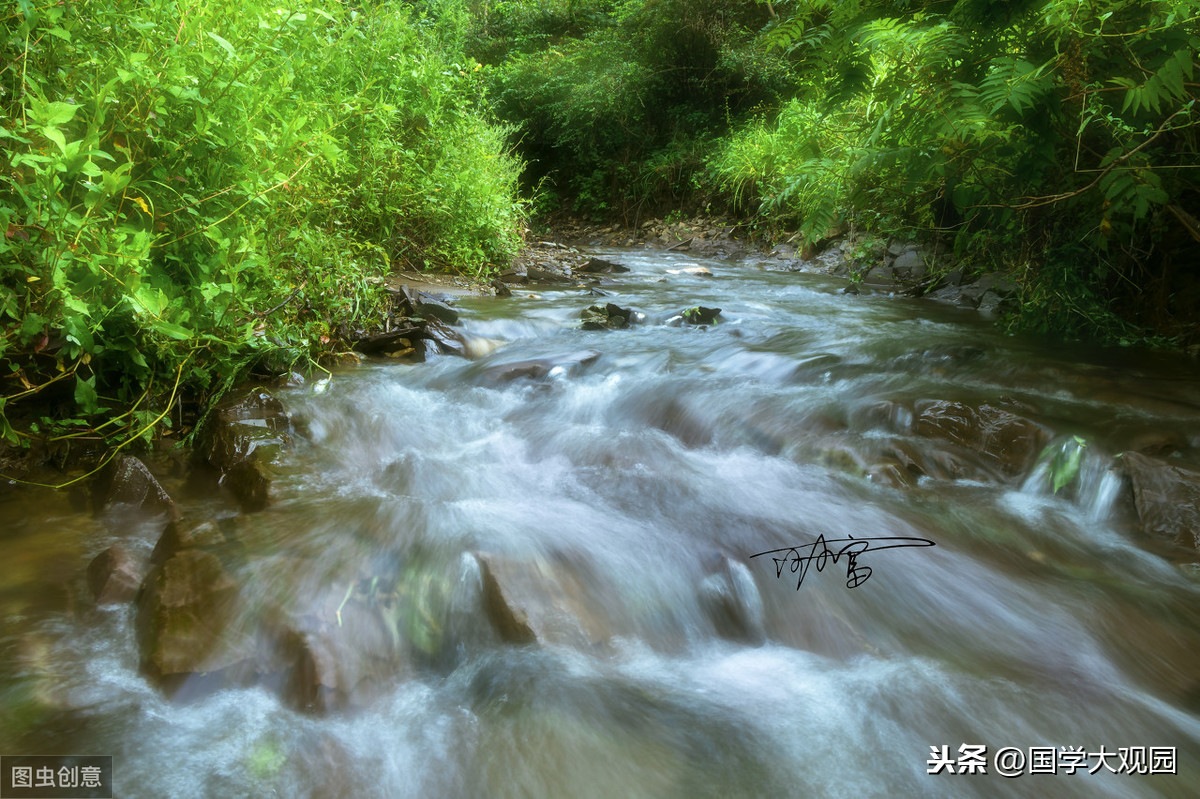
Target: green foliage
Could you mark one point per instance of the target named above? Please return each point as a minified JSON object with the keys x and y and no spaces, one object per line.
{"x":194,"y":189}
{"x":1065,"y":463}
{"x":617,"y":103}
{"x":1061,"y":133}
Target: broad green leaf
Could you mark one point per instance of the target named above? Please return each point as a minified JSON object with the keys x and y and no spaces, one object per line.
{"x":226,"y":46}
{"x":85,"y":395}
{"x":55,"y":135}
{"x":55,"y":113}
{"x":172,"y":330}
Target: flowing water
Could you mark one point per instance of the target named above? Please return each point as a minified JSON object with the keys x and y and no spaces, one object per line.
{"x":619,"y":499}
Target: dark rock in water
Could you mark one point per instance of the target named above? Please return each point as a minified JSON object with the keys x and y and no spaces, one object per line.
{"x":113,"y":577}
{"x":427,"y":307}
{"x":345,"y":664}
{"x":390,"y":342}
{"x":243,"y":443}
{"x":242,"y":425}
{"x":851,"y":289}
{"x":605,"y":317}
{"x":501,"y":288}
{"x":447,"y":339}
{"x":182,"y":534}
{"x":537,"y":368}
{"x":545,"y":275}
{"x":598,"y":265}
{"x":126,"y":483}
{"x":677,"y":417}
{"x":540,"y":602}
{"x":183,"y":620}
{"x":886,"y":414}
{"x":730,"y":598}
{"x":1007,"y":441}
{"x":1167,"y":497}
{"x":511,"y":276}
{"x":699,"y":315}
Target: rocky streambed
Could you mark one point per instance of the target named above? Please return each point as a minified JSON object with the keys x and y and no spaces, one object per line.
{"x":532,"y":565}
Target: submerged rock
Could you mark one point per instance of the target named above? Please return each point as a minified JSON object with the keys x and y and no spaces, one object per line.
{"x":730,"y":597}
{"x":540,"y":602}
{"x":1167,"y":497}
{"x":1007,"y":441}
{"x":536,"y":368}
{"x":114,"y":576}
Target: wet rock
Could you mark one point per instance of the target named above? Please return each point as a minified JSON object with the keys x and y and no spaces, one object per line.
{"x":425,"y":306}
{"x":605,"y":317}
{"x":511,"y":276}
{"x":540,"y":602}
{"x":184,"y":615}
{"x":676,"y":417}
{"x":1167,"y":497}
{"x":731,"y":600}
{"x":694,"y":271}
{"x":1156,"y":442}
{"x":126,"y":484}
{"x":546,"y":275}
{"x":909,"y":266}
{"x":348,"y":663}
{"x":243,"y":443}
{"x":598,"y":265}
{"x":536,"y":368}
{"x":390,"y":343}
{"x":699,"y":315}
{"x":114,"y":576}
{"x":1008,"y":441}
{"x":882,"y":414}
{"x":242,"y":425}
{"x":501,"y":288}
{"x":997,"y":286}
{"x":447,"y":340}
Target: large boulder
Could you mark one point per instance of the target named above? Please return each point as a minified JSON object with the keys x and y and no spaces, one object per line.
{"x":1167,"y":497}
{"x":1009,"y":442}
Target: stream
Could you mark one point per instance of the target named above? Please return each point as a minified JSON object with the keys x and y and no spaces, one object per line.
{"x":534,"y":577}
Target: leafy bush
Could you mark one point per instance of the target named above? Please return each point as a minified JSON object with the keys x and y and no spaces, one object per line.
{"x":191,"y":190}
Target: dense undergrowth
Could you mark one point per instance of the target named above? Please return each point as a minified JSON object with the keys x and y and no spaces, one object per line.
{"x":192,"y":190}
{"x":1052,"y":139}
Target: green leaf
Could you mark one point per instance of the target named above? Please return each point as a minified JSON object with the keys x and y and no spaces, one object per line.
{"x":85,"y":395}
{"x":172,"y":330}
{"x":226,"y":46}
{"x":55,"y":135}
{"x":51,"y":113}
